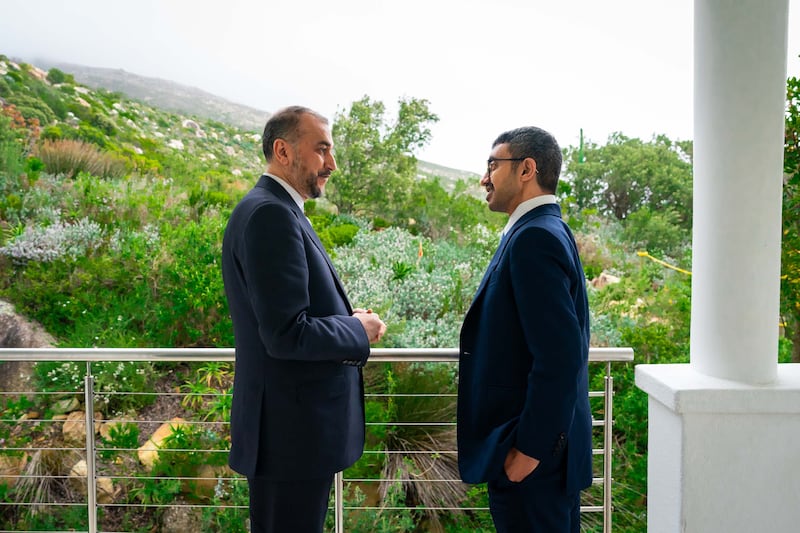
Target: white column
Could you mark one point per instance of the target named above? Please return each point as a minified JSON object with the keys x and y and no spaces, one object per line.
{"x":721,"y":452}
{"x":739,"y":102}
{"x":721,"y":455}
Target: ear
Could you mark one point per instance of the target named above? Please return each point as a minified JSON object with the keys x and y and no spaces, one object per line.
{"x":528,"y":168}
{"x":282,"y":152}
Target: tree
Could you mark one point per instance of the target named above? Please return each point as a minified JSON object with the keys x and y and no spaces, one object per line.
{"x":790,"y":249}
{"x":626,"y":177}
{"x":377,"y":166}
{"x":627,"y":174}
{"x":438,"y":214}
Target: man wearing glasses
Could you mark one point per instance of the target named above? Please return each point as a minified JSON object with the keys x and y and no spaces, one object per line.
{"x":524,"y":424}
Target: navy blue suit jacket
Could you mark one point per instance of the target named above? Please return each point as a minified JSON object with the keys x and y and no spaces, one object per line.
{"x":298,"y":393}
{"x":524,"y":351}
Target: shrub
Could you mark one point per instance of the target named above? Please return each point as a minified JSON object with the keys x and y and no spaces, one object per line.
{"x":55,"y":75}
{"x":69,"y":157}
{"x":52,"y":132}
{"x":58,"y":241}
{"x":89,"y":133}
{"x":421,"y":289}
{"x":189,"y":305}
{"x":31,"y":107}
{"x":54,"y":100}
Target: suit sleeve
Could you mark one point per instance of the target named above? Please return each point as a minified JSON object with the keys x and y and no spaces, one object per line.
{"x":276,"y":271}
{"x":542,"y":275}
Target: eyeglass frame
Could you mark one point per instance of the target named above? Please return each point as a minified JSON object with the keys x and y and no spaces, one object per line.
{"x":493,"y":159}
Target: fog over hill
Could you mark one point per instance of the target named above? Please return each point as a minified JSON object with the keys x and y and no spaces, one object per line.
{"x":172,"y":96}
{"x":165,"y":94}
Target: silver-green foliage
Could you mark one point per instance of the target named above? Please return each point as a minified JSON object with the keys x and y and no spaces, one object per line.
{"x":422,"y":289}
{"x":55,"y":241}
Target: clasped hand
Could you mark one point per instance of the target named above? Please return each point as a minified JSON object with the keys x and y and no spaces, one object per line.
{"x":372,"y":323}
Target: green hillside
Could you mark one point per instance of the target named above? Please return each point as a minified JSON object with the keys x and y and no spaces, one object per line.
{"x":111,"y":219}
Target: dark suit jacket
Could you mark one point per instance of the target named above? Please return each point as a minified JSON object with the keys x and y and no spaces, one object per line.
{"x":298,"y":404}
{"x":524,"y":356}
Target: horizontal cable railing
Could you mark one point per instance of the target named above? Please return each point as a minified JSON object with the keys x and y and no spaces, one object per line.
{"x":107,"y":479}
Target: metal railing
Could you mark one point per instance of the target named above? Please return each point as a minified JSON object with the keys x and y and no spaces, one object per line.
{"x":604,"y":424}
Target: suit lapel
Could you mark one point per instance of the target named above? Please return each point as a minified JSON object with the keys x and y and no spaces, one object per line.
{"x":547,"y":209}
{"x":275,"y":188}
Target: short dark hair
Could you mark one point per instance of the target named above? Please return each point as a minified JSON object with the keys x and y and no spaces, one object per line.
{"x":540,"y":145}
{"x":283,"y":124}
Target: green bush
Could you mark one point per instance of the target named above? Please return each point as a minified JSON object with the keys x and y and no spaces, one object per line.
{"x":55,"y":75}
{"x":52,"y":132}
{"x":32,"y":107}
{"x":190,"y":308}
{"x":54,"y":99}
{"x":91,"y":134}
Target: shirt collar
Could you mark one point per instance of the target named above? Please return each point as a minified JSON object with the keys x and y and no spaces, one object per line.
{"x":528,"y":205}
{"x":291,"y":190}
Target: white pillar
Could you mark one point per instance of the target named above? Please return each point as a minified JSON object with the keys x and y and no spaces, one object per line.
{"x":721,"y":452}
{"x":721,"y":455}
{"x":739,"y":102}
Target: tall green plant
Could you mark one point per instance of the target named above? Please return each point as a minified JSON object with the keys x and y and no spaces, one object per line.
{"x":790,"y":258}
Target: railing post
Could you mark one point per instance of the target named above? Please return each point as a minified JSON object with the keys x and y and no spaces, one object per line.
{"x":91,"y":478}
{"x":608,"y":400}
{"x":338,"y":506}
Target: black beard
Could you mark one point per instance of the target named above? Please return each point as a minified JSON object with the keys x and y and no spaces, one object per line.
{"x":313,"y":189}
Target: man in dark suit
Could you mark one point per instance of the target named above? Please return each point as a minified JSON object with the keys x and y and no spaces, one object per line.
{"x":298,"y":395}
{"x":524,"y":424}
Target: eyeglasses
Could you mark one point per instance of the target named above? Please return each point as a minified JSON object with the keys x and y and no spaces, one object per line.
{"x":491,"y":167}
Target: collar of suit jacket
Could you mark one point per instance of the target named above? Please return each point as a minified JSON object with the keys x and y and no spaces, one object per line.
{"x":524,"y":207}
{"x":291,"y":190}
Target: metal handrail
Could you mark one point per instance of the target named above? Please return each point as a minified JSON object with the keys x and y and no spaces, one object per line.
{"x":377,"y":355}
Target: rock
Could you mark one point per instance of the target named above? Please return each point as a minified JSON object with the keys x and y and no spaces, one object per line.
{"x":604,"y":279}
{"x":208,"y":477}
{"x":67,"y":405}
{"x":106,"y":490}
{"x":148,"y":452}
{"x":10,"y":469}
{"x":74,"y":428}
{"x":181,"y":519}
{"x":77,"y":476}
{"x":106,"y":427}
{"x":17,"y":331}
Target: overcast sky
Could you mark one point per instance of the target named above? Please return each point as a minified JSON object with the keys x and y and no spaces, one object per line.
{"x":484,"y":66}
